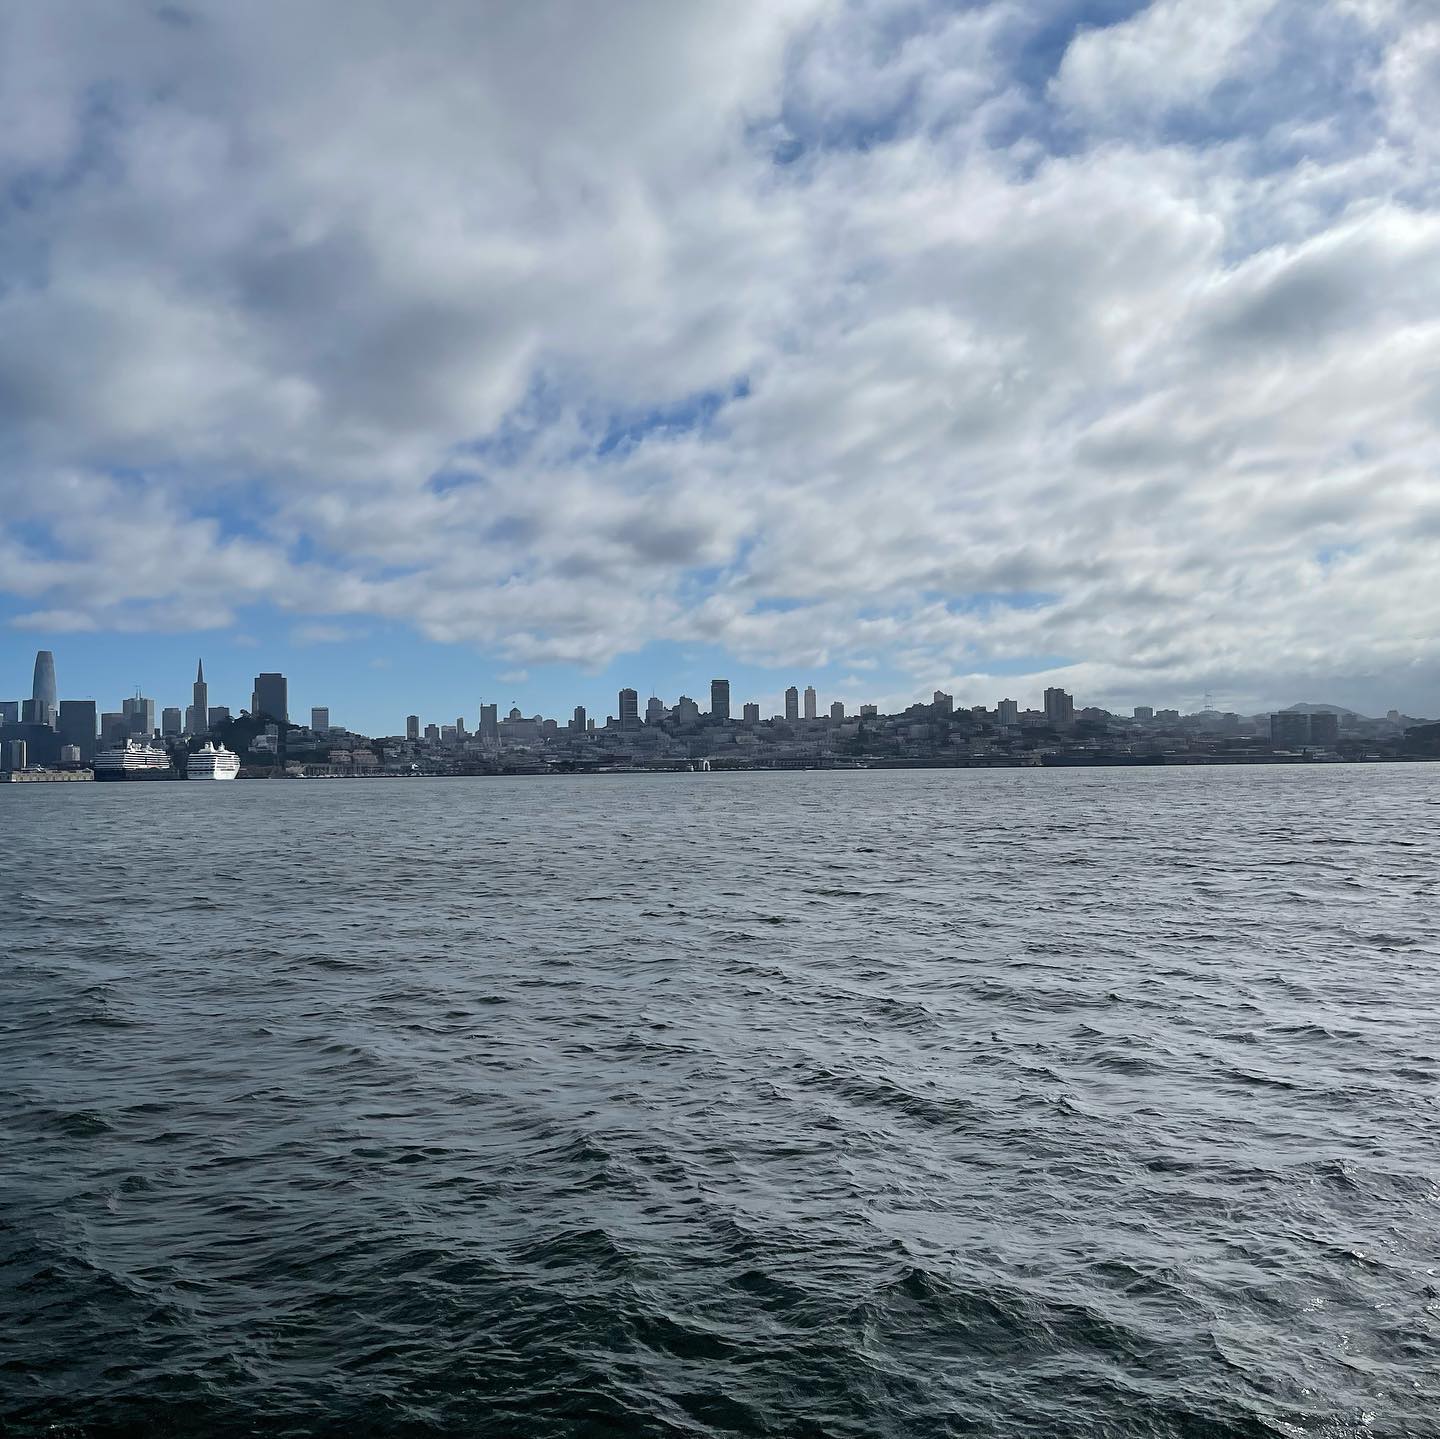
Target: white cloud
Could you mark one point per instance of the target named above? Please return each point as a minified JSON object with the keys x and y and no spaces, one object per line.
{"x":817,"y":332}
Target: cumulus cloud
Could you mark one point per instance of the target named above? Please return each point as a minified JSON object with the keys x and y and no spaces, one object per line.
{"x":817,"y":332}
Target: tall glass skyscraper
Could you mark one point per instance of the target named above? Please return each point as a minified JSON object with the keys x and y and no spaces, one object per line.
{"x":43,"y":692}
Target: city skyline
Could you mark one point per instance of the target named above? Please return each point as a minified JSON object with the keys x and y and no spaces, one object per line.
{"x":929,"y":346}
{"x":269,"y":693}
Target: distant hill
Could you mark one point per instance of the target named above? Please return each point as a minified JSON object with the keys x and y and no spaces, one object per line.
{"x":1313,"y":709}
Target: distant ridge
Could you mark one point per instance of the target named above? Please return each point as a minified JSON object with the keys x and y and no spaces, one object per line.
{"x":1314,"y":709}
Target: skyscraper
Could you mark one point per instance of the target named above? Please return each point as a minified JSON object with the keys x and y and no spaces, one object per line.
{"x":792,"y":703}
{"x":1059,"y":707}
{"x":77,"y":726}
{"x":412,"y":726}
{"x":629,"y":710}
{"x":720,"y":700}
{"x":9,"y":711}
{"x":751,"y":713}
{"x":200,"y":702}
{"x":577,"y":720}
{"x":654,"y":710}
{"x":944,"y":704}
{"x":837,"y":711}
{"x":43,"y":690}
{"x":271,"y":698}
{"x":809,"y":702}
{"x":490,"y":722}
{"x":170,"y":721}
{"x":320,"y":718}
{"x":139,"y":715}
{"x":1007,"y":712}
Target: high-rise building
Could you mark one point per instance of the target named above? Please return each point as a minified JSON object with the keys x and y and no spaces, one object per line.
{"x":139,"y":715}
{"x":114,"y":728}
{"x":629,"y":710}
{"x":9,"y":711}
{"x":1325,"y":729}
{"x":13,"y":754}
{"x":271,"y":698}
{"x":1290,"y":729}
{"x":412,"y":726}
{"x":751,"y":713}
{"x":43,"y":689}
{"x":320,"y":718}
{"x":809,"y":702}
{"x":1144,"y":712}
{"x":460,"y":731}
{"x":432,"y":733}
{"x":199,"y":702}
{"x":869,"y":711}
{"x":687,"y":712}
{"x":490,"y":722}
{"x":77,"y":726}
{"x":577,"y":720}
{"x":1007,"y":712}
{"x":654,"y":710}
{"x":218,"y":715}
{"x":720,"y":700}
{"x":1059,"y":706}
{"x":792,"y":703}
{"x":837,"y":712}
{"x":171,"y":721}
{"x":944,"y":704}
{"x":37,"y":712}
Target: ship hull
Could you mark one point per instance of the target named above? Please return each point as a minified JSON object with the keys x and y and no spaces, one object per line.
{"x":111,"y":776}
{"x":206,"y":778}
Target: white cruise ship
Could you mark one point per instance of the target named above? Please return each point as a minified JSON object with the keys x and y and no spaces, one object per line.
{"x":132,"y":760}
{"x":212,"y":761}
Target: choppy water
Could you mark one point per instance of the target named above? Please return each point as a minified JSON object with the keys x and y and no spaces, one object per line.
{"x":1063,"y":1103}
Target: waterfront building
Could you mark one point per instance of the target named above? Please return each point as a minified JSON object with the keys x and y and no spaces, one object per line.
{"x":15,"y":755}
{"x":810,"y":702}
{"x":577,"y":720}
{"x":1325,"y":730}
{"x":139,"y":715}
{"x":412,"y":727}
{"x":9,"y":712}
{"x":1007,"y":712}
{"x":43,"y":688}
{"x":199,"y":717}
{"x":792,"y":703}
{"x":77,"y":726}
{"x":1144,"y":712}
{"x":1059,"y":707}
{"x":320,"y":718}
{"x":720,"y":701}
{"x":271,"y":697}
{"x":751,"y":714}
{"x":170,"y":721}
{"x":837,"y":712}
{"x":69,"y":754}
{"x":629,"y":709}
{"x":944,"y":704}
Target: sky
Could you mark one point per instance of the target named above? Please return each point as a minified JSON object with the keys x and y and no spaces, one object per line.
{"x":443,"y":353}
